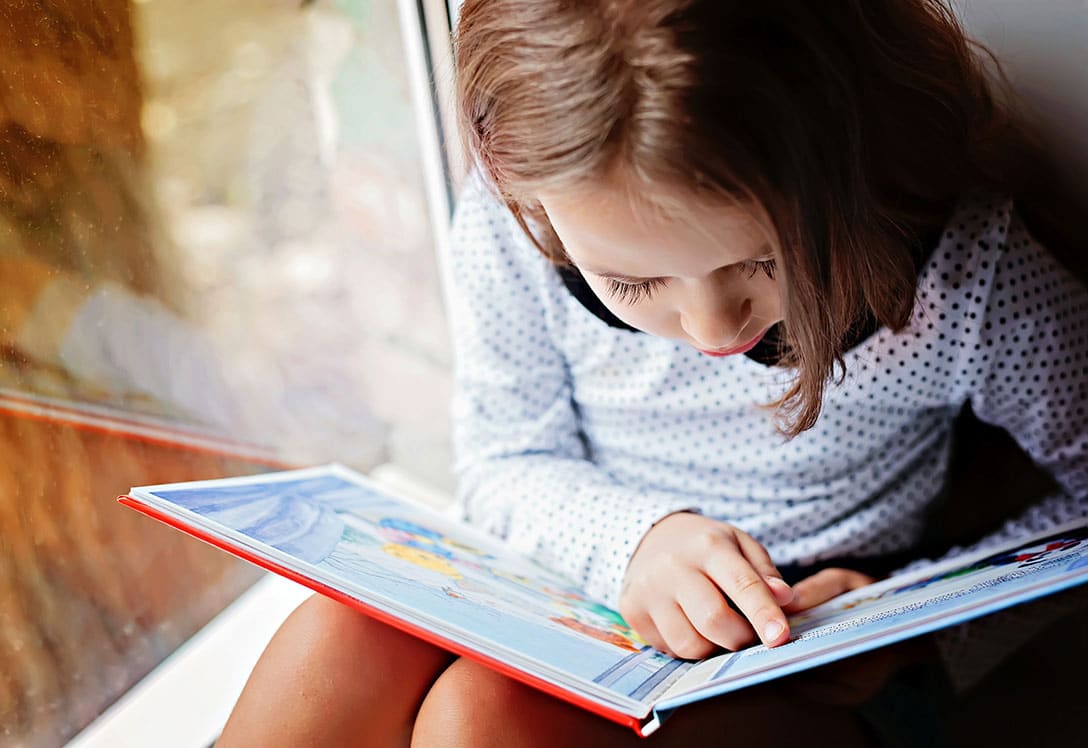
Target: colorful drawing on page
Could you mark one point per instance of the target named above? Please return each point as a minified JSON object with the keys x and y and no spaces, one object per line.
{"x":1071,"y":545}
{"x":1019,"y":558}
{"x":402,"y":555}
{"x":621,"y":636}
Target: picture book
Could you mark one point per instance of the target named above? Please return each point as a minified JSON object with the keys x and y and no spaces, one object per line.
{"x":338,"y":533}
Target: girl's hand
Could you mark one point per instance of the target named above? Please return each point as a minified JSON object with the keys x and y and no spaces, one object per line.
{"x":857,"y":679}
{"x":824,"y":585}
{"x":683,"y":575}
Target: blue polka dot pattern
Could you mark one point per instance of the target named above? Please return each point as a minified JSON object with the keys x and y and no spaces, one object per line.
{"x":572,"y":438}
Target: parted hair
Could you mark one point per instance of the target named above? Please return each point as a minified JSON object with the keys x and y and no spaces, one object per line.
{"x":854,"y":126}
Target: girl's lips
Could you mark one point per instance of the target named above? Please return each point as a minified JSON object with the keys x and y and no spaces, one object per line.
{"x":740,"y":349}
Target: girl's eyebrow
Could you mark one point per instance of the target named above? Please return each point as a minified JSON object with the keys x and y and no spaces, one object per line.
{"x":616,"y":276}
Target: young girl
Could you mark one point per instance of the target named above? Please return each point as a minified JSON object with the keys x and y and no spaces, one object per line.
{"x":778,"y":252}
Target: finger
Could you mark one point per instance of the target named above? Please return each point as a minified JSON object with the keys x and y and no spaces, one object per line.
{"x":827,"y":584}
{"x":643,"y":624}
{"x":681,"y":638}
{"x":748,"y":590}
{"x":709,"y":613}
{"x":757,"y":555}
{"x":824,"y":585}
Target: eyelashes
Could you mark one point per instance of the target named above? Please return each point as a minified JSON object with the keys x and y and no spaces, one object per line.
{"x":767,"y":267}
{"x":632,"y":293}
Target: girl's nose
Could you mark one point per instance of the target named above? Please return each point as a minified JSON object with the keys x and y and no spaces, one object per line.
{"x":713,"y":319}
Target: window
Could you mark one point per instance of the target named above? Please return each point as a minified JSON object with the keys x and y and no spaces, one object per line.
{"x":218,"y":256}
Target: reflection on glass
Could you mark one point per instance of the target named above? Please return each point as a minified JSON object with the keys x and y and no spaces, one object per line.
{"x":214,"y":256}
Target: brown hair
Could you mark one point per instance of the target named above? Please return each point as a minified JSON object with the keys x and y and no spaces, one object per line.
{"x":855,"y":125}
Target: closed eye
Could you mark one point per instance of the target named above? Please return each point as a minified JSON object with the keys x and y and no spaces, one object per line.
{"x":767,"y":267}
{"x":632,"y":293}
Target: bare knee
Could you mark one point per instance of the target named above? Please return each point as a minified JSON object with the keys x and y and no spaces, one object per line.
{"x":472,"y":705}
{"x":461,"y":706}
{"x":346,"y":649}
{"x":331,"y":672}
{"x":321,"y":626}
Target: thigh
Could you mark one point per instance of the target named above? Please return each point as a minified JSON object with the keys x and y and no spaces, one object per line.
{"x":333,"y":676}
{"x":472,"y":705}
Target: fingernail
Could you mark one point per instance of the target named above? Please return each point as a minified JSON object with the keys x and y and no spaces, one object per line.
{"x":771,"y":631}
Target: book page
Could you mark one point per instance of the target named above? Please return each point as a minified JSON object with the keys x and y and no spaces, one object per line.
{"x":334,"y":526}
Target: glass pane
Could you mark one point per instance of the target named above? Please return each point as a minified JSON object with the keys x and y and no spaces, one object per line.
{"x":215,"y":258}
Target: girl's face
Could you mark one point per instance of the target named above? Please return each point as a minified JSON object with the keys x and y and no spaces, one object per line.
{"x":707,"y":279}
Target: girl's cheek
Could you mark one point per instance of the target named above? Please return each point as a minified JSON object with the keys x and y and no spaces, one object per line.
{"x":769,"y":296}
{"x":645,"y":314}
{"x":650,"y":317}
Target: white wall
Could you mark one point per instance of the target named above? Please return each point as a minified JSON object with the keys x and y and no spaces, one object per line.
{"x":1043,"y":46}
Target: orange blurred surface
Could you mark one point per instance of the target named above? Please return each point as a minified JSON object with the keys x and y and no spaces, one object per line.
{"x":93,"y":595}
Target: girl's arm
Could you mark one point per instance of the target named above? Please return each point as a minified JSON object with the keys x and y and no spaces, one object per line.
{"x":1028,"y":370}
{"x":526,"y":472}
{"x":523,"y":466}
{"x":1020,"y":321}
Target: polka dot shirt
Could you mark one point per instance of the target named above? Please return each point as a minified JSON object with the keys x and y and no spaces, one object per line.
{"x":573,"y":437}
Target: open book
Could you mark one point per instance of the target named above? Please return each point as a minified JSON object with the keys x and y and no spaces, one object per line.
{"x":336,"y":532}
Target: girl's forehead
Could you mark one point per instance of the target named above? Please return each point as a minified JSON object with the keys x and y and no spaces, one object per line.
{"x":609,"y":228}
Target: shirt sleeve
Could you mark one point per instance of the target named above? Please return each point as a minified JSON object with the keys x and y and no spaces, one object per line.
{"x":524,"y":469}
{"x":1033,"y":379}
{"x":1026,"y":370}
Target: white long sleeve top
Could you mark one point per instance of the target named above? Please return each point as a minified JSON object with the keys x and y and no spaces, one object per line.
{"x":573,"y":437}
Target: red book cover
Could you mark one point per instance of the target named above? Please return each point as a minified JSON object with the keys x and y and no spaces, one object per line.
{"x":415,"y":569}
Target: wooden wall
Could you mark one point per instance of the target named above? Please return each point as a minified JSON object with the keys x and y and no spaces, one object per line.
{"x":92,"y":594}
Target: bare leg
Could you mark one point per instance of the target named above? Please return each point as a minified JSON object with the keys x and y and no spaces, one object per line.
{"x":332,"y":676}
{"x":471,"y":705}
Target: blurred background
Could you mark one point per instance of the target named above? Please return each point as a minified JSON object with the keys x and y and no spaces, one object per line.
{"x":217,"y":255}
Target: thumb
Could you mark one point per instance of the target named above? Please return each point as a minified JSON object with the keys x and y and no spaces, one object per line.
{"x":824,"y":585}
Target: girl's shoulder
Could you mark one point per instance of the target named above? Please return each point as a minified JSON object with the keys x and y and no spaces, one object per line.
{"x":986,"y":249}
{"x":990,"y":291}
{"x":494,"y":271}
{"x":485,"y":234}
{"x":973,"y":243}
{"x":979,"y":223}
